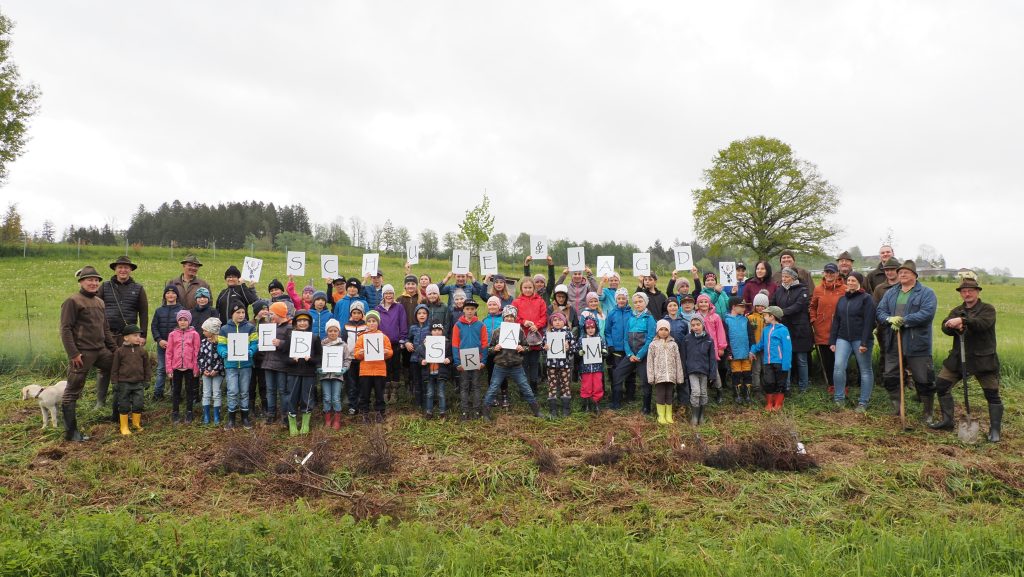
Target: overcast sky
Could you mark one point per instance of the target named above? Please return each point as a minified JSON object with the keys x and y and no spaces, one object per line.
{"x":586,"y":120}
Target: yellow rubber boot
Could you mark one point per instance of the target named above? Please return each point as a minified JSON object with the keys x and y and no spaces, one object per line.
{"x":668,"y":414}
{"x":137,"y":421}
{"x":661,"y":415}
{"x":124,"y":425}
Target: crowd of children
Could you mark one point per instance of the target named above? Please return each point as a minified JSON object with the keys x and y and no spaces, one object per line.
{"x":358,"y":341}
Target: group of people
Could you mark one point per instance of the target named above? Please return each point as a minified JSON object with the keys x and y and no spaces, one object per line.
{"x":677,"y":347}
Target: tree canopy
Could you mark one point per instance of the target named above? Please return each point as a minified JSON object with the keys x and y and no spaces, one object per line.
{"x":758,"y":196}
{"x":18,"y":103}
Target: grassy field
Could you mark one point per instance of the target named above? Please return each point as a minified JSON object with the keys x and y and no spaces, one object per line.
{"x":611,"y":495}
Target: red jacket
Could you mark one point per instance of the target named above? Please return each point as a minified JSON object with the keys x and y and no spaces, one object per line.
{"x":532,"y":308}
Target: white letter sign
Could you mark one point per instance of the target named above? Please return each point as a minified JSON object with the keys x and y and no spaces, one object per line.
{"x":641,"y":264}
{"x":488,"y":262}
{"x":509,"y":335}
{"x":556,"y":344}
{"x":251,"y":268}
{"x":412,"y":252}
{"x":684,"y":257}
{"x":576,"y":259}
{"x":268,"y":332}
{"x":591,"y":350}
{"x":373,"y":346}
{"x":329,"y":266}
{"x":333,"y":359}
{"x":371,"y":262}
{"x":469,"y":359}
{"x":460,"y":261}
{"x":238,"y":347}
{"x":605,"y":265}
{"x":296,"y":263}
{"x":433,"y":349}
{"x":301,"y":345}
{"x":539,"y":247}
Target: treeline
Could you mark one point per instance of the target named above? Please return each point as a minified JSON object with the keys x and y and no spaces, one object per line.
{"x":229,"y":225}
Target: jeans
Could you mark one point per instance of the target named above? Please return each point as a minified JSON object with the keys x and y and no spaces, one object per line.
{"x":470,"y":392}
{"x":433,"y":386}
{"x":276,"y":383}
{"x":625,"y":368}
{"x":517,"y":374}
{"x":800,"y":361}
{"x":867,"y":376}
{"x":161,"y":372}
{"x":238,"y":386}
{"x":332,"y":394}
{"x":211,"y":389}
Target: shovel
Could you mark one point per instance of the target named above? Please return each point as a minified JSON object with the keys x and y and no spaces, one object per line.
{"x":967,"y":429}
{"x":899,"y":353}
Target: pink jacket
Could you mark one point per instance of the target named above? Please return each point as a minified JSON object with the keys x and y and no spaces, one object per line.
{"x":714,"y":327}
{"x":182,"y":351}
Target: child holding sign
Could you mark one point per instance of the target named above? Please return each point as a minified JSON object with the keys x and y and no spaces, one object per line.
{"x":435,"y":370}
{"x":331,"y":380}
{"x":373,"y":349}
{"x":350,"y":331}
{"x":304,"y":351}
{"x":591,"y":372}
{"x":560,"y":345}
{"x":469,"y":352}
{"x":275,"y":362}
{"x":238,"y":352}
{"x":508,"y":363}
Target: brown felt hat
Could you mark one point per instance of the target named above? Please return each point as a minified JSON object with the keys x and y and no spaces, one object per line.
{"x":123,"y":260}
{"x":87,"y":272}
{"x":891,"y":263}
{"x":909,"y":265}
{"x":191,"y":259}
{"x":845,"y":255}
{"x":968,"y":283}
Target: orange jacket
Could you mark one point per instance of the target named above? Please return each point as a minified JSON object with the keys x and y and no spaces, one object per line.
{"x":372,"y":368}
{"x":823,"y":307}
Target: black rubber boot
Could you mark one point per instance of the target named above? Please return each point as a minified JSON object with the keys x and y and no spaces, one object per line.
{"x":946,"y":405}
{"x":749,"y":387}
{"x":597,"y":407}
{"x":894,"y":400}
{"x":535,"y":407}
{"x":554,"y":409}
{"x":739,"y":394}
{"x":694,"y":416}
{"x":566,"y":406}
{"x":718,"y":395}
{"x":71,"y":432}
{"x":231,"y":420}
{"x":487,"y":412}
{"x":995,"y":418}
{"x":927,"y":408}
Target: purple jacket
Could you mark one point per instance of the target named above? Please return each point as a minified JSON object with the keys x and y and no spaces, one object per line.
{"x":393,"y":323}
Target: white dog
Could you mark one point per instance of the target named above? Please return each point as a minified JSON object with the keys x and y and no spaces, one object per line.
{"x":48,"y":397}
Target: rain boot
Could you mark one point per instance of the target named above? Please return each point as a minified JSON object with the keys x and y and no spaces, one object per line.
{"x":215,"y":413}
{"x":927,"y":408}
{"x":769,"y":401}
{"x":694,"y":416}
{"x":566,"y":406}
{"x":554,"y":410}
{"x":124,"y":425}
{"x":946,"y":406}
{"x":328,"y":418}
{"x":293,"y":426}
{"x":995,"y":419}
{"x":229,"y":422}
{"x":597,"y":407}
{"x":535,"y":408}
{"x":305,"y":423}
{"x":701,"y":416}
{"x":739,"y":394}
{"x":748,"y":398}
{"x":894,"y":400}
{"x":668,"y":414}
{"x":487,"y":412}
{"x":137,"y":421}
{"x":206,"y":414}
{"x":245,"y":419}
{"x":336,"y":423}
{"x":271,"y":416}
{"x":780,"y":400}
{"x":661,"y":414}
{"x":718,"y":395}
{"x":71,"y":432}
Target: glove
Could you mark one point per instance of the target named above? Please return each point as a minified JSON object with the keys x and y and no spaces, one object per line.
{"x":895,"y":322}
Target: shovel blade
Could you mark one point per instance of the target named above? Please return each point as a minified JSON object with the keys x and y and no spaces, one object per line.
{"x":968,"y":431}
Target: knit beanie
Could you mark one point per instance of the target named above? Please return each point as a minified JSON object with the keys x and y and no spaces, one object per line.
{"x":558,"y":316}
{"x":592,"y":295}
{"x":459,"y":293}
{"x":646,"y":298}
{"x":183,"y":314}
{"x":494,"y":300}
{"x":789,"y":271}
{"x":308,"y":289}
{"x":275,"y":284}
{"x":704,"y":298}
{"x":233,"y":272}
{"x":203,"y":292}
{"x":279,"y":309}
{"x":664,"y":324}
{"x":622,"y":291}
{"x":212,"y":325}
{"x":332,"y":323}
{"x":387,"y":289}
{"x":373,"y":315}
{"x":357,"y":306}
{"x":761,"y":300}
{"x":319,"y":295}
{"x":433,"y":290}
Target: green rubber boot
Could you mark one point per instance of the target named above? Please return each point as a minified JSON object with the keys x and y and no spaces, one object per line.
{"x":305,"y":423}
{"x":293,"y":428}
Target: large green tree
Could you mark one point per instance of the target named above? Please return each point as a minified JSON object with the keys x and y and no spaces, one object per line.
{"x":18,"y":103}
{"x":477,"y":227}
{"x":758,"y":196}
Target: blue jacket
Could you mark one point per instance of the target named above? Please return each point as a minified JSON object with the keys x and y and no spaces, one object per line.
{"x":719,"y":300}
{"x":917,"y":320}
{"x":777,"y":346}
{"x":608,"y":299}
{"x":467,"y":335}
{"x":639,"y":333}
{"x":615,"y":326}
{"x":320,"y":318}
{"x":854,"y":319}
{"x":473,"y":289}
{"x":678,"y":329}
{"x":222,"y":343}
{"x":740,"y":334}
{"x":492,"y":323}
{"x":163,"y":322}
{"x":372,"y":295}
{"x":698,"y":354}
{"x":341,"y":308}
{"x":417,"y":336}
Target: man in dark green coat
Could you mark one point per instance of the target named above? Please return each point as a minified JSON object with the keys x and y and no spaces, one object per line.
{"x":975,"y":322}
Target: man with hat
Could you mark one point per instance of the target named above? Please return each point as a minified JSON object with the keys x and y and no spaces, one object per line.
{"x":236,"y":292}
{"x":87,"y":341}
{"x":125,"y":303}
{"x":906,"y":312}
{"x":877,"y":276}
{"x":845,"y":264}
{"x":188,"y":282}
{"x":975,"y":323}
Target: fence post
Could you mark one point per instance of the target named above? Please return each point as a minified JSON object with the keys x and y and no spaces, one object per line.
{"x":28,"y":322}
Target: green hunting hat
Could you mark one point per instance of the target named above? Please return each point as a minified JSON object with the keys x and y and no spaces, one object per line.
{"x":123,"y":260}
{"x":968,"y":283}
{"x":891,"y":263}
{"x":87,"y":272}
{"x":909,"y":265}
{"x":191,"y":259}
{"x":131,"y":330}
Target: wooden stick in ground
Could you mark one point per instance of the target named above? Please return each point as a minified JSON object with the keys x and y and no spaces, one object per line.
{"x":899,"y":353}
